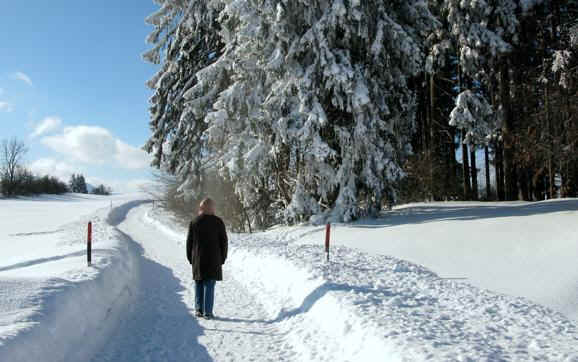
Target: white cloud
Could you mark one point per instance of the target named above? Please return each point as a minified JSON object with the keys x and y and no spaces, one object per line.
{"x":23,"y":77}
{"x":46,"y":125}
{"x":96,"y":145}
{"x":130,"y":156}
{"x":51,"y":167}
{"x":5,"y":107}
{"x":139,"y":184}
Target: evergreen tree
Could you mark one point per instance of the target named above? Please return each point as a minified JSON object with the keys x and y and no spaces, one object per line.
{"x":480,"y":34}
{"x":309,"y":107}
{"x":78,"y":184}
{"x":306,"y":105}
{"x":101,"y":190}
{"x":82,"y":185}
{"x":73,"y":183}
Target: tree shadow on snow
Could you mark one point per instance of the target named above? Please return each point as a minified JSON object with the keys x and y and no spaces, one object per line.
{"x":435,"y":213}
{"x":234,"y":320}
{"x":371,"y":296}
{"x":308,"y":302}
{"x":239,"y":331}
{"x":34,"y":262}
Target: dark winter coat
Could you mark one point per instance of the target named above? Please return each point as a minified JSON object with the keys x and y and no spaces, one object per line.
{"x":207,"y":246}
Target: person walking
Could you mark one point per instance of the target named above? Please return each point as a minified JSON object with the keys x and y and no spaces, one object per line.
{"x":207,"y":246}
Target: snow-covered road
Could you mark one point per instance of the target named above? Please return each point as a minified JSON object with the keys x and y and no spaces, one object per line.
{"x":162,"y":326}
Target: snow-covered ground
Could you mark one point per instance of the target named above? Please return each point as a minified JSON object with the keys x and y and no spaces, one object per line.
{"x":382,"y":297}
{"x":50,"y":301}
{"x":517,"y":248}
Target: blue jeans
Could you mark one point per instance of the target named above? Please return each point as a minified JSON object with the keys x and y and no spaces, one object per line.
{"x":205,"y":296}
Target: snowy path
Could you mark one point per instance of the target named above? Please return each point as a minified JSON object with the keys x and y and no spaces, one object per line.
{"x":162,"y":326}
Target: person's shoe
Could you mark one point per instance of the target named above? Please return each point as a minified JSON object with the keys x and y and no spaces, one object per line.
{"x":209,"y":316}
{"x":198,"y":313}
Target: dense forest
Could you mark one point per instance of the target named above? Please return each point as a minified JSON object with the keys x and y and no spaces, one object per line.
{"x":518,"y":108}
{"x":294,"y":110}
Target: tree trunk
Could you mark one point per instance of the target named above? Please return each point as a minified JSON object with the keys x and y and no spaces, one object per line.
{"x":551,"y":181}
{"x":487,"y":164}
{"x":432,"y":138}
{"x":551,"y":186}
{"x":451,"y":161}
{"x":466,"y":170}
{"x":568,"y":182}
{"x":524,"y":178}
{"x":507,"y":136}
{"x":474,"y":170}
{"x":573,"y":191}
{"x":499,"y":166}
{"x":531,"y":190}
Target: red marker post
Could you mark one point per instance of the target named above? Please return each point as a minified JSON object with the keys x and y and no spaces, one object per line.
{"x":327,"y":233}
{"x":89,"y":244}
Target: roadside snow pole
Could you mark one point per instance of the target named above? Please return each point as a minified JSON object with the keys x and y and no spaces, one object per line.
{"x":89,"y":244}
{"x":327,"y":232}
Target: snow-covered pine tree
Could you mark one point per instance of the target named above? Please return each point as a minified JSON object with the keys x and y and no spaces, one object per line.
{"x":186,"y":40}
{"x":474,"y":115}
{"x":307,"y":105}
{"x":83,"y":189}
{"x":78,"y":184}
{"x":573,"y":34}
{"x":480,"y":32}
{"x":476,"y":36}
{"x":565,"y":51}
{"x":74,"y":184}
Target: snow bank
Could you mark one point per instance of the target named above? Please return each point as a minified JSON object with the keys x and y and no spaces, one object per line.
{"x":165,"y":223}
{"x":68,"y":312}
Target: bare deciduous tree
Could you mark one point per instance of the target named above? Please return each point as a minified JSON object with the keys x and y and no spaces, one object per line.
{"x":12,"y":156}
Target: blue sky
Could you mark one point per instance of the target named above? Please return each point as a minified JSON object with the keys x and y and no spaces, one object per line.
{"x":72,"y":87}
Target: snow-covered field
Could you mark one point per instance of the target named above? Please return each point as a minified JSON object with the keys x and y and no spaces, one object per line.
{"x":517,"y":248}
{"x":383,"y":296}
{"x":50,"y":301}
